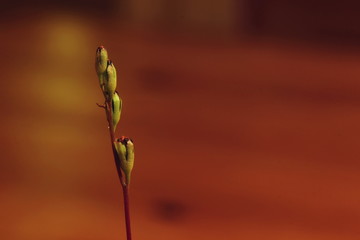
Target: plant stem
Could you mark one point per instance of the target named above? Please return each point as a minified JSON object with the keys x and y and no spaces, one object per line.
{"x":108,"y":107}
{"x":127,"y":211}
{"x":108,"y":112}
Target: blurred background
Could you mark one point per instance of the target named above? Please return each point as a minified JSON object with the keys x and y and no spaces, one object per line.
{"x":245,"y":117}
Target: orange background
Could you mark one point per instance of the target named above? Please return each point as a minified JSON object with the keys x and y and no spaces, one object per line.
{"x":245,"y":127}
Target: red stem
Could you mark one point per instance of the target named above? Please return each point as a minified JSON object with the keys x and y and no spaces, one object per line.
{"x":117,"y":162}
{"x":127,"y":211}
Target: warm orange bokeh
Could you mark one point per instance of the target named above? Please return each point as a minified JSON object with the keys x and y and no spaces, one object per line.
{"x":236,"y":137}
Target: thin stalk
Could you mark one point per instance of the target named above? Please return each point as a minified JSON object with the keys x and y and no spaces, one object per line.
{"x":127,"y":211}
{"x":108,"y":107}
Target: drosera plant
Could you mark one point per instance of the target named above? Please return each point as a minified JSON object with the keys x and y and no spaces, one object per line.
{"x":123,"y":147}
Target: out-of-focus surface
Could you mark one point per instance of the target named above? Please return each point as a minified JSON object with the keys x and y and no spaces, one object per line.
{"x":245,"y":117}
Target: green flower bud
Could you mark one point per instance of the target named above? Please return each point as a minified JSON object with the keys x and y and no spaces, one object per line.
{"x":101,"y":60}
{"x":116,"y":109}
{"x":110,"y":81}
{"x":125,"y":150}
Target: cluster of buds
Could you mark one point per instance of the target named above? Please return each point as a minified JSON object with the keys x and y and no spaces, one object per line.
{"x":106,"y":72}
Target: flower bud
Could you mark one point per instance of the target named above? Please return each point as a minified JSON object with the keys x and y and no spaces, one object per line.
{"x":110,"y":81}
{"x":125,"y":150}
{"x":101,"y":59}
{"x":116,"y":109}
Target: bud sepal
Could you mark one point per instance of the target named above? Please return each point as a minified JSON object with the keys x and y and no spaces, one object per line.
{"x":116,"y":106}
